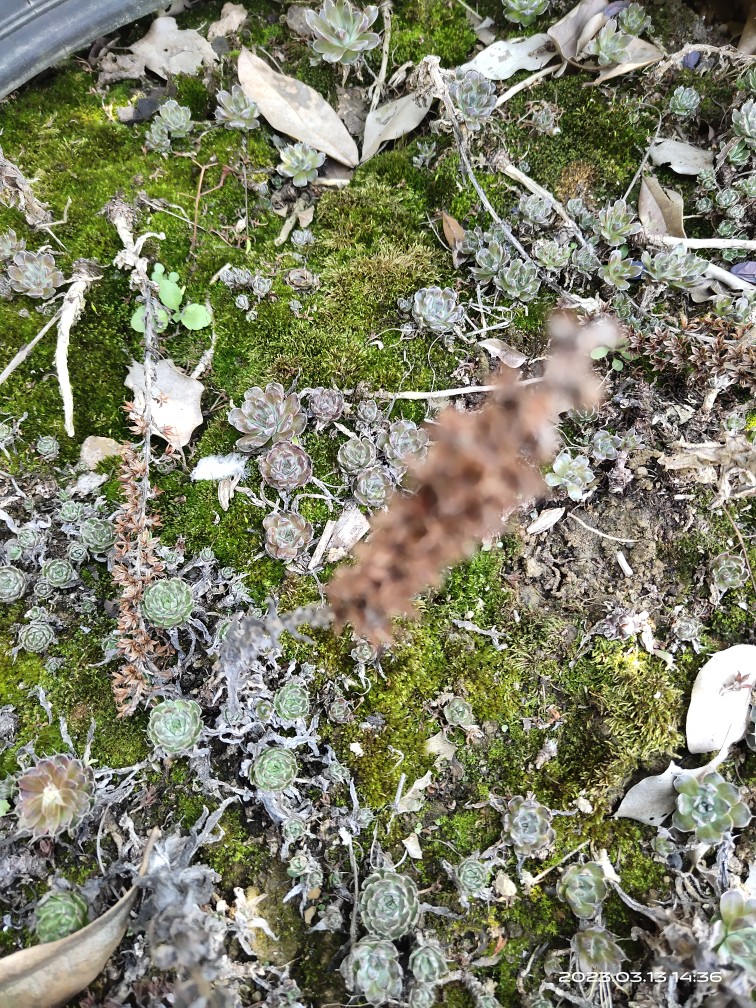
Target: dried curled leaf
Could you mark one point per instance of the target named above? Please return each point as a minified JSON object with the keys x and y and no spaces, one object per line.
{"x":176,"y":410}
{"x":49,"y":975}
{"x":639,"y":54}
{"x":166,"y":50}
{"x":393,"y":120}
{"x":569,"y":31}
{"x":296,"y":109}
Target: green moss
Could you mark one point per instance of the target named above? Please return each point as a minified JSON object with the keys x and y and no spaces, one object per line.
{"x":431,"y":27}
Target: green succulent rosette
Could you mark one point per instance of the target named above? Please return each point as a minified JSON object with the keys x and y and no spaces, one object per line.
{"x":167,"y":603}
{"x":175,"y":725}
{"x":583,"y":887}
{"x":389,"y":904}
{"x":275,"y":769}
{"x":59,"y":913}
{"x":373,"y":971}
{"x":12,"y":584}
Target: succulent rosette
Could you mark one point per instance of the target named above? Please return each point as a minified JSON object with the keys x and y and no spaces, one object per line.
{"x":12,"y":584}
{"x":372,"y":970}
{"x":292,"y":701}
{"x":54,"y":795}
{"x":266,"y":417}
{"x":389,"y":904}
{"x":325,"y":404}
{"x":287,"y":534}
{"x":286,"y":467}
{"x":175,"y":725}
{"x":59,"y":913}
{"x":97,"y":534}
{"x":167,"y":603}
{"x":473,"y":875}
{"x":527,"y":826}
{"x":275,"y":769}
{"x":356,"y":454}
{"x":372,"y":487}
{"x":583,"y":887}
{"x":428,"y":963}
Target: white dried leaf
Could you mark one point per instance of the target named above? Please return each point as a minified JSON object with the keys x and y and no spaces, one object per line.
{"x":592,"y":27}
{"x":356,"y":748}
{"x":504,"y":58}
{"x":94,"y":449}
{"x":296,"y":109}
{"x":439,"y":746}
{"x":350,"y":527}
{"x":166,"y":50}
{"x":232,"y":18}
{"x":721,"y":699}
{"x":683,"y":158}
{"x":393,"y":120}
{"x":639,"y":54}
{"x":546,"y":519}
{"x":175,"y":406}
{"x":652,"y":799}
{"x":503,"y":886}
{"x":412,"y":846}
{"x":567,"y":32}
{"x":414,"y":799}
{"x":503,"y":351}
{"x":219,"y":467}
{"x":660,"y":210}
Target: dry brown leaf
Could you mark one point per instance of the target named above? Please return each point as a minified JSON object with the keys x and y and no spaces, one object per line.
{"x":660,"y":210}
{"x":593,"y":27}
{"x":50,"y":975}
{"x":393,"y":120}
{"x":639,"y":54}
{"x":453,"y":230}
{"x":296,"y":109}
{"x":567,"y":31}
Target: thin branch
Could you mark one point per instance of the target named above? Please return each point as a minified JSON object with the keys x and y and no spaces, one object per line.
{"x":445,"y":393}
{"x":87,"y":272}
{"x":746,"y":244}
{"x":535,"y":187}
{"x":24,"y":352}
{"x":604,"y":535}
{"x":523,"y":85}
{"x":381,"y":78}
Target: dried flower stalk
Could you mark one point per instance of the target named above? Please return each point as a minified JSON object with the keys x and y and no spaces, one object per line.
{"x":137,"y":563}
{"x":480,"y":465}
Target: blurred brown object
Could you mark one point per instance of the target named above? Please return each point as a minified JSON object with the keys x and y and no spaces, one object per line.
{"x":481,"y":464}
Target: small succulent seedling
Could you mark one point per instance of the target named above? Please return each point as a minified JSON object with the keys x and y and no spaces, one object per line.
{"x":171,"y":295}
